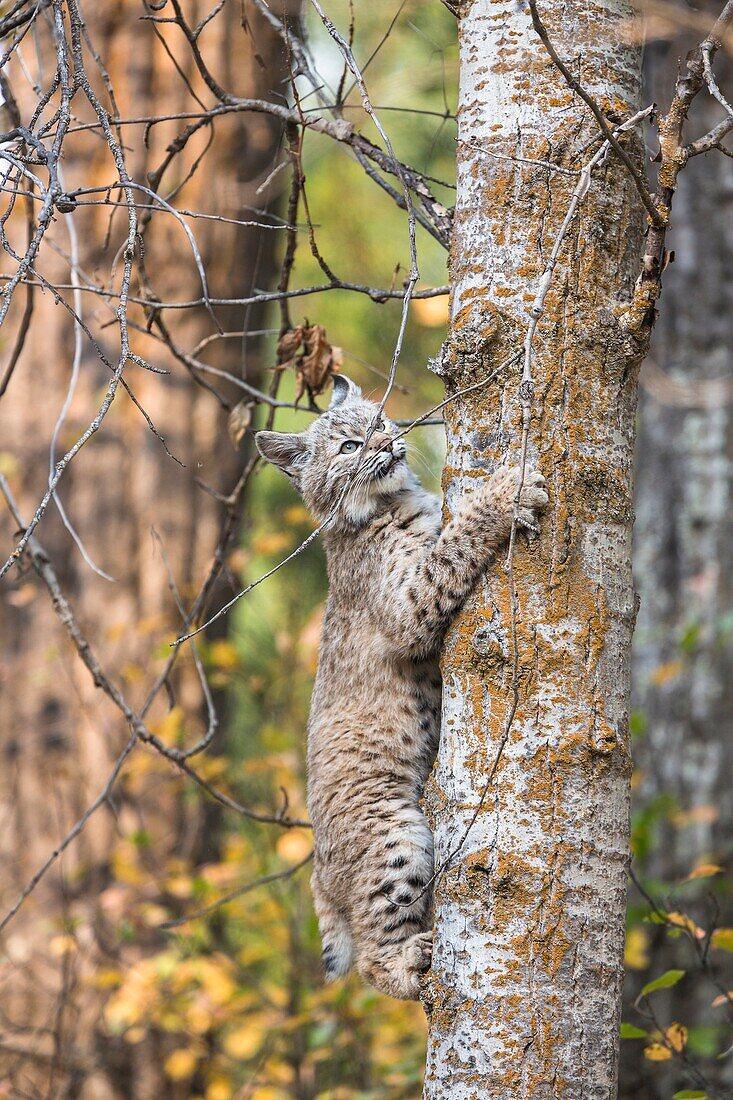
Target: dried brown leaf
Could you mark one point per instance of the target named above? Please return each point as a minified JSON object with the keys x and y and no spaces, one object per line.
{"x":318,"y":364}
{"x":289,"y":343}
{"x":240,"y":419}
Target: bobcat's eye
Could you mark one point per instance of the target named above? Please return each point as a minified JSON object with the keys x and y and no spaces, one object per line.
{"x":349,"y":447}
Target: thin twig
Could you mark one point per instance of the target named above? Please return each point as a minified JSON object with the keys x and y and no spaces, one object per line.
{"x":206,"y":910}
{"x":655,"y":216}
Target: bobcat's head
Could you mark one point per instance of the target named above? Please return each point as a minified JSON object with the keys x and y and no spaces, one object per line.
{"x":331,"y":455}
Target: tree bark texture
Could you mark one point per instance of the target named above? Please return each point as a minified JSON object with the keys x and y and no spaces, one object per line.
{"x":524,"y":997}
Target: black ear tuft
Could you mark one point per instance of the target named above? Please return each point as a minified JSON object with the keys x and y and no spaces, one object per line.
{"x":286,"y":450}
{"x":343,"y":390}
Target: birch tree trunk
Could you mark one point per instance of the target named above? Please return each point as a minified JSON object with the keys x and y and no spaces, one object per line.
{"x":529,"y":799}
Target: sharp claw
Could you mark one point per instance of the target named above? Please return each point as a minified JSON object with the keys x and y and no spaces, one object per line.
{"x":528,"y":525}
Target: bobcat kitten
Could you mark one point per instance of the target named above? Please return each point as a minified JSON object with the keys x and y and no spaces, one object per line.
{"x":395,"y":581}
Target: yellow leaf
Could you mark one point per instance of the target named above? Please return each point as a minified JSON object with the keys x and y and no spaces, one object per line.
{"x":656,"y":1052}
{"x":219,"y":1088}
{"x":223,"y":654}
{"x":431,"y":312}
{"x":635,"y":954}
{"x":131,"y":672}
{"x":199,"y":1018}
{"x":107,"y":979}
{"x":62,"y":945}
{"x":235,"y":848}
{"x":663,"y":673}
{"x":117,"y":630}
{"x":168,"y":728}
{"x":253,"y":953}
{"x":297,"y":513}
{"x":244,"y":1042}
{"x":125,"y":1008}
{"x":8,"y":463}
{"x":722,"y":938}
{"x":220,"y":874}
{"x":180,"y":1064}
{"x":273,"y":543}
{"x":723,"y":999}
{"x":216,"y":982}
{"x":177,"y":866}
{"x":142,"y":765}
{"x":124,"y":865}
{"x":169,"y":1019}
{"x":703,"y":870}
{"x":180,"y":886}
{"x":293,"y":845}
{"x":212,"y":768}
{"x":698,"y":815}
{"x":676,"y":1036}
{"x":681,"y":920}
{"x":22,"y":596}
{"x":277,"y":994}
{"x":167,"y":965}
{"x":151,"y":915}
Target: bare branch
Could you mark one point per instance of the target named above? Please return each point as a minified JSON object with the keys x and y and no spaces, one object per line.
{"x":655,"y":216}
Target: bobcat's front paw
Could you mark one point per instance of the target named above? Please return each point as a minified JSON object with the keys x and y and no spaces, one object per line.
{"x":503,"y":487}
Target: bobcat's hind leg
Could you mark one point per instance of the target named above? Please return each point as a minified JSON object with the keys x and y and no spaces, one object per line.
{"x":392,"y":925}
{"x":338,"y":946}
{"x":417,"y":953}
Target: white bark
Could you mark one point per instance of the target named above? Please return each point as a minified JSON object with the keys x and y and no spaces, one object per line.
{"x":524,"y":996}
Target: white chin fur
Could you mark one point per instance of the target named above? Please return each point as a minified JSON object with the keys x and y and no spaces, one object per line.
{"x":395,"y":479}
{"x":360,"y":506}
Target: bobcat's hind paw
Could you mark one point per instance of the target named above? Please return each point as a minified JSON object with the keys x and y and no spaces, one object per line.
{"x":418,"y":952}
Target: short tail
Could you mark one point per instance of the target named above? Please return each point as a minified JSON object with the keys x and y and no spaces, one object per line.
{"x":338,"y":946}
{"x":338,"y":953}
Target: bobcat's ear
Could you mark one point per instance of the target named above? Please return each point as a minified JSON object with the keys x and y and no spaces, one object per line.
{"x":343,"y":390}
{"x":286,"y":450}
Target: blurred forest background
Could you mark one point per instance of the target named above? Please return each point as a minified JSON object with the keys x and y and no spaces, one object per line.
{"x":97,"y":998}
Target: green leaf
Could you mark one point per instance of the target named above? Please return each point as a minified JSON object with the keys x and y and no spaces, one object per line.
{"x":690,"y":1094}
{"x":637,"y":723}
{"x":628,"y":1031}
{"x":665,"y":981}
{"x":690,"y":637}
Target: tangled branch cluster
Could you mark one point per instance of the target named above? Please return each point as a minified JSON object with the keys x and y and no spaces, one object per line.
{"x":39,"y":208}
{"x":37,"y":200}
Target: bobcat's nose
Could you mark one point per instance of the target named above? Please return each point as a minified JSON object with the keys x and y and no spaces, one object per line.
{"x":380,"y":441}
